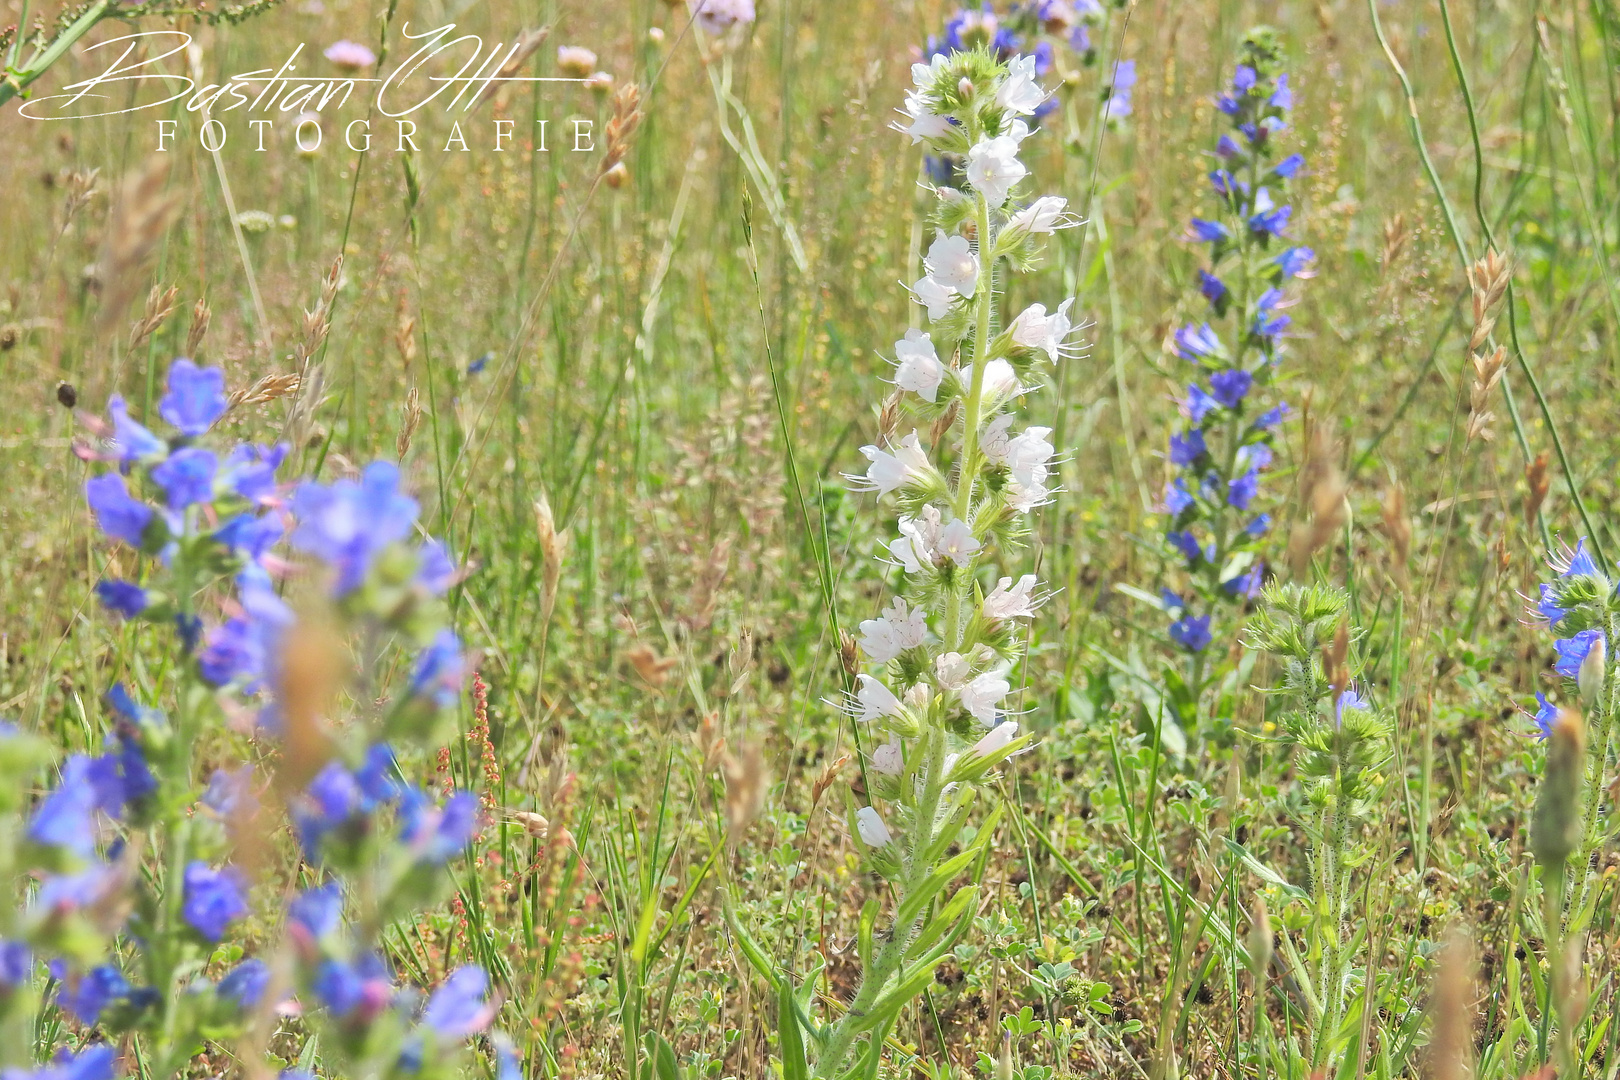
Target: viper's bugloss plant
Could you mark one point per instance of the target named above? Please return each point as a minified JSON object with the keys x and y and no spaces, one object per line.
{"x":1340,"y":742}
{"x":302,"y":626}
{"x":1216,"y":526}
{"x":932,"y":705}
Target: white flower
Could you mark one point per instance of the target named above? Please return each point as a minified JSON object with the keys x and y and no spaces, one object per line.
{"x":952,"y":670}
{"x":1026,"y":495}
{"x":1019,"y":92}
{"x":981,"y":696}
{"x":888,"y":471}
{"x":892,"y":633}
{"x":874,"y":699}
{"x":887,"y":759}
{"x":996,"y":739}
{"x":917,"y":539}
{"x":995,"y":442}
{"x":957,"y":541}
{"x":924,"y":76}
{"x":1035,"y":329}
{"x":917,"y":696}
{"x":873,"y":832}
{"x":1000,"y":381}
{"x":918,"y":366}
{"x":924,"y":124}
{"x":1044,"y":215}
{"x":951,"y":262}
{"x":1029,"y":455}
{"x":993,"y":168}
{"x":1009,"y":601}
{"x":933,"y":296}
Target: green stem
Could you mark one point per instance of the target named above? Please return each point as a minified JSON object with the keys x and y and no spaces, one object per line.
{"x":16,"y":81}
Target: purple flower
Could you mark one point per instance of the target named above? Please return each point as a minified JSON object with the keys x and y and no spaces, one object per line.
{"x":1246,"y":585}
{"x":94,"y":1062}
{"x":1184,"y":541}
{"x":358,"y":991}
{"x":1231,"y":386}
{"x":1348,"y":699}
{"x":196,"y":397}
{"x":1289,"y":166}
{"x":1267,"y":321}
{"x":1266,"y":217}
{"x":1242,"y":490}
{"x":1191,"y":632}
{"x":65,"y":818}
{"x":1271,"y":417}
{"x":1295,"y":261}
{"x":316,"y":913}
{"x":376,"y":776}
{"x":459,"y":1007}
{"x":1208,"y":232}
{"x":245,"y":983}
{"x":62,"y":894}
{"x":235,"y":652}
{"x":1546,"y":715}
{"x":1193,"y":342}
{"x":230,"y":792}
{"x":135,"y":779}
{"x":348,"y":523}
{"x":88,"y":995}
{"x":1244,"y":78}
{"x":1172,"y":602}
{"x":1187,"y":448}
{"x":349,"y":54}
{"x":251,"y":536}
{"x":1212,"y":287}
{"x":1254,"y":455}
{"x":132,"y":441}
{"x":1547,"y":607}
{"x":1282,"y":97}
{"x":1176,"y":497}
{"x":16,"y":963}
{"x":119,"y":516}
{"x":1226,"y":147}
{"x":437,"y":571}
{"x":213,"y":898}
{"x":250,"y":471}
{"x":187,"y":476}
{"x":438,"y":834}
{"x":1580,"y":562}
{"x":121,"y":597}
{"x":1572,"y":650}
{"x":1198,"y":404}
{"x":440,"y":670}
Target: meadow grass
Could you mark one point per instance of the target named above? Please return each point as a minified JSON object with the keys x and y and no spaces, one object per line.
{"x":680,"y":367}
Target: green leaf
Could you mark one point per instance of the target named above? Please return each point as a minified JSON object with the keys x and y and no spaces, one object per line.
{"x":789,"y":1038}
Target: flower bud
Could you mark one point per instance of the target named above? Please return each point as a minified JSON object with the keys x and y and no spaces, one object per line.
{"x":870,"y":825}
{"x":996,"y":739}
{"x":1589,"y":676}
{"x":1259,"y":943}
{"x":1555,"y":826}
{"x":965,"y":88}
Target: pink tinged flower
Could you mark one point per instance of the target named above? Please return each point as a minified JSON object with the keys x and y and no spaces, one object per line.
{"x":981,"y":696}
{"x":1029,"y":455}
{"x":874,"y":699}
{"x":888,"y":759}
{"x":952,"y":670}
{"x":1044,"y":215}
{"x":1009,"y":601}
{"x":718,"y":16}
{"x":923,"y":124}
{"x":899,"y":628}
{"x":1019,"y":92}
{"x":887,"y":472}
{"x":1035,"y":329}
{"x":996,"y":739}
{"x":957,"y":542}
{"x":952,"y":263}
{"x":1000,"y":381}
{"x":870,"y":825}
{"x":917,"y":365}
{"x":933,"y":296}
{"x":995,"y":442}
{"x":575,"y":61}
{"x":350,"y":54}
{"x":1589,"y":676}
{"x":993,"y":168}
{"x":918,"y":535}
{"x":1026,"y":495}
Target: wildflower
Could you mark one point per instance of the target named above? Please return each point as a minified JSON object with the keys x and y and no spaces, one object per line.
{"x":187,"y":476}
{"x":236,"y":652}
{"x":122,"y":597}
{"x":1289,"y":166}
{"x":1241,"y":490}
{"x":16,"y":964}
{"x":874,"y":699}
{"x":995,"y":740}
{"x":874,"y":833}
{"x":1191,"y":632}
{"x":1545,"y":716}
{"x":917,"y":365}
{"x":230,"y":792}
{"x":440,"y":670}
{"x":1118,"y":104}
{"x":1019,"y":91}
{"x":250,"y":471}
{"x":993,"y":168}
{"x":1044,"y":215}
{"x":1035,"y":329}
{"x":718,"y":16}
{"x":982,"y":694}
{"x":1347,"y":699}
{"x":1573,"y":651}
{"x":1009,"y":601}
{"x":957,"y":542}
{"x":934,"y":296}
{"x":88,"y":995}
{"x":1184,"y":541}
{"x":213,"y":898}
{"x":1208,"y":232}
{"x":1579,"y":562}
{"x":349,"y":54}
{"x":1547,"y":607}
{"x":924,"y":124}
{"x":347,"y":524}
{"x":354,"y":991}
{"x":1267,"y":321}
{"x":1267,"y":218}
{"x":888,"y":472}
{"x":1195,"y":342}
{"x":1211,"y":287}
{"x":131,"y":441}
{"x":195,"y":398}
{"x":1187,"y":447}
{"x":888,"y":759}
{"x":245,"y":983}
{"x":952,"y":263}
{"x":65,"y":818}
{"x":1231,"y":386}
{"x":120,"y":517}
{"x":316,"y":914}
{"x":1295,"y":262}
{"x":438,"y":834}
{"x":899,"y":628}
{"x":1258,"y":527}
{"x":575,"y":61}
{"x":1176,"y":497}
{"x":915,"y":547}
{"x":459,"y":1008}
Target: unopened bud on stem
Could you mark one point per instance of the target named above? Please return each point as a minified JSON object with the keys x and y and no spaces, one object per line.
{"x":1555,"y":827}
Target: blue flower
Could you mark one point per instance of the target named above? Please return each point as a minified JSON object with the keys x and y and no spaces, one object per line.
{"x":1184,"y":541}
{"x":1547,"y":607}
{"x":16,"y":963}
{"x":1172,"y":601}
{"x":249,"y":535}
{"x":1208,"y":232}
{"x":1282,"y":97}
{"x":121,"y":597}
{"x":134,"y":776}
{"x":119,"y":516}
{"x":246,"y":983}
{"x":1246,"y":585}
{"x":376,"y":777}
{"x":1211,"y":287}
{"x":1348,"y":699}
{"x":1267,"y":321}
{"x":1244,"y":78}
{"x":61,"y":894}
{"x":1241,"y":490}
{"x":1546,"y":716}
{"x":230,"y":792}
{"x":235,"y":652}
{"x":187,"y":476}
{"x":1257,"y":528}
{"x":213,"y":898}
{"x":439,"y":670}
{"x":132,"y":441}
{"x":480,"y":364}
{"x":1289,"y":166}
{"x":1191,"y":632}
{"x":1295,"y":261}
{"x":1227,"y":147}
{"x":347,"y":523}
{"x":459,"y":1007}
{"x":1176,"y":497}
{"x":1193,"y":342}
{"x":65,"y":818}
{"x":1267,"y":218}
{"x":1254,"y":455}
{"x":1187,"y":448}
{"x":94,"y":1062}
{"x":1271,"y":418}
{"x":89,"y":995}
{"x":1198,"y":404}
{"x":1572,"y":650}
{"x":1231,"y":386}
{"x":196,"y":397}
{"x":362,"y":987}
{"x":250,"y":471}
{"x":316,"y":913}
{"x":437,"y":571}
{"x":1580,"y":562}
{"x":438,"y":834}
